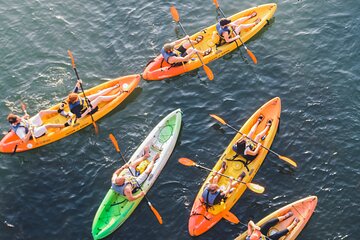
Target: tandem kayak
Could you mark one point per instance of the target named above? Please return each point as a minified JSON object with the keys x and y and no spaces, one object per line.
{"x":115,"y":208}
{"x":158,"y":68}
{"x":10,"y":143}
{"x":302,"y":210}
{"x":203,"y":218}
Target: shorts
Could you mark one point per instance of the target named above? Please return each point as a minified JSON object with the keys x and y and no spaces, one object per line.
{"x":36,"y":122}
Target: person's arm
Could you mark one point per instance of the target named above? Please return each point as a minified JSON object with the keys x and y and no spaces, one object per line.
{"x":227,"y":190}
{"x":118,"y":171}
{"x":77,"y":86}
{"x":177,"y":42}
{"x":130,"y":196}
{"x":255,"y":152}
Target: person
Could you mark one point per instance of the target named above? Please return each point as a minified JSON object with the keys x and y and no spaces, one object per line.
{"x":180,"y":51}
{"x":126,"y":183}
{"x":224,"y":27}
{"x":255,"y":232}
{"x":24,"y":127}
{"x":78,"y":106}
{"x":247,"y":148}
{"x":213,"y":194}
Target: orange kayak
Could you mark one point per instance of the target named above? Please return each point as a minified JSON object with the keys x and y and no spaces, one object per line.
{"x":203,"y":218}
{"x":158,"y":68}
{"x":302,"y":209}
{"x":10,"y":142}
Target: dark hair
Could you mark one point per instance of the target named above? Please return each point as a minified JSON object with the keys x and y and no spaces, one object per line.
{"x":12,"y":118}
{"x":224,"y":21}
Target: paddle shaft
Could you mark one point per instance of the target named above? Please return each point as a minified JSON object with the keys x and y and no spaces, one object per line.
{"x":208,"y":169}
{"x":181,"y":26}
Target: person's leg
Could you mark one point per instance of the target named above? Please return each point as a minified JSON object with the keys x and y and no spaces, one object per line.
{"x":42,"y":113}
{"x":102,"y":92}
{"x":269,"y":224}
{"x":254,"y":127}
{"x":263,"y":132}
{"x":282,"y":233}
{"x":221,"y":171}
{"x":246,"y":26}
{"x":100,"y":99}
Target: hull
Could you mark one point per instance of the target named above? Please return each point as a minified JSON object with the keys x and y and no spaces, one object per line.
{"x":201,"y":218}
{"x":115,"y":208}
{"x":158,"y":69}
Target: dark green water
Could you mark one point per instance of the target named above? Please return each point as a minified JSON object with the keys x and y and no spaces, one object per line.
{"x":308,"y":56}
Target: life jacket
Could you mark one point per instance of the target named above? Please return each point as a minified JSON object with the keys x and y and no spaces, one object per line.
{"x":120,"y":189}
{"x":166,"y":55}
{"x":240,"y":149}
{"x":221,"y":30}
{"x":211,"y":199}
{"x":20,"y":124}
{"x":78,"y":107}
{"x":142,"y":166}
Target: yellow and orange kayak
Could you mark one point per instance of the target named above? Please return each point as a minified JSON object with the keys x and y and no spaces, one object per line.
{"x":302,"y":209}
{"x":158,"y":68}
{"x":203,"y":218}
{"x":10,"y":143}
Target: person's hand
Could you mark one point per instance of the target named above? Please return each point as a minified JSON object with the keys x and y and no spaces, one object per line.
{"x":26,"y":116}
{"x":186,"y":37}
{"x":79,"y":82}
{"x":231,"y":179}
{"x":142,"y":193}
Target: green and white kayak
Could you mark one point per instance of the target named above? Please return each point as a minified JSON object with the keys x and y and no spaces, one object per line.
{"x":115,"y":208}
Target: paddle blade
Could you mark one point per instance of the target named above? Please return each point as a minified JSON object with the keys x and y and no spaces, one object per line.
{"x":216,"y":3}
{"x":156,"y":213}
{"x":219,"y":119}
{"x":208,"y":72}
{"x":255,"y":188}
{"x":174,"y":13}
{"x":252,"y":56}
{"x":72,"y":59}
{"x":115,"y":143}
{"x":231,"y":217}
{"x":187,"y":162}
{"x":288,"y":160}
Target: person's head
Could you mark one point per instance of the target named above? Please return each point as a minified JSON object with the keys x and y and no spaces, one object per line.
{"x":213,"y":187}
{"x":224,"y":21}
{"x":12,"y":118}
{"x":119,"y":180}
{"x":72,"y":97}
{"x":168,"y":47}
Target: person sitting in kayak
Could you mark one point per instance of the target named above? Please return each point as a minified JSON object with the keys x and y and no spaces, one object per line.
{"x":78,"y":106}
{"x":25,"y":126}
{"x":127,"y":183}
{"x":225,"y":26}
{"x":247,"y":148}
{"x":213,"y":194}
{"x":255,"y":232}
{"x":180,"y":51}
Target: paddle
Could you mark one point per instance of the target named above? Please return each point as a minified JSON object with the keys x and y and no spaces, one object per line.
{"x":116,"y":145}
{"x":252,"y":186}
{"x":230,"y":217}
{"x":286,"y":159}
{"x":23,"y":107}
{"x":82,"y":89}
{"x":250,"y":53}
{"x":176,"y":18}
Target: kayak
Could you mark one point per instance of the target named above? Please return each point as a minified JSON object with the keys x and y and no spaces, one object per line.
{"x":302,"y":209}
{"x":202,"y":218}
{"x":115,"y":208}
{"x":10,"y":142}
{"x":158,"y":68}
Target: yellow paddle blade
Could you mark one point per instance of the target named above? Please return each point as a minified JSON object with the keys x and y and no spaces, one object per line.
{"x":252,"y":56}
{"x":174,"y":13}
{"x":216,"y":3}
{"x":156,"y":213}
{"x":187,"y":162}
{"x":255,"y":188}
{"x":208,"y":72}
{"x":230,"y":217}
{"x":217,"y":118}
{"x":72,"y":59}
{"x":115,"y":143}
{"x":288,"y":160}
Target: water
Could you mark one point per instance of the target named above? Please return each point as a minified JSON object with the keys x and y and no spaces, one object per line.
{"x":308,"y":56}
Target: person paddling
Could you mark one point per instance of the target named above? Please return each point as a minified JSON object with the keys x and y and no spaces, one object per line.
{"x":126,"y":183}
